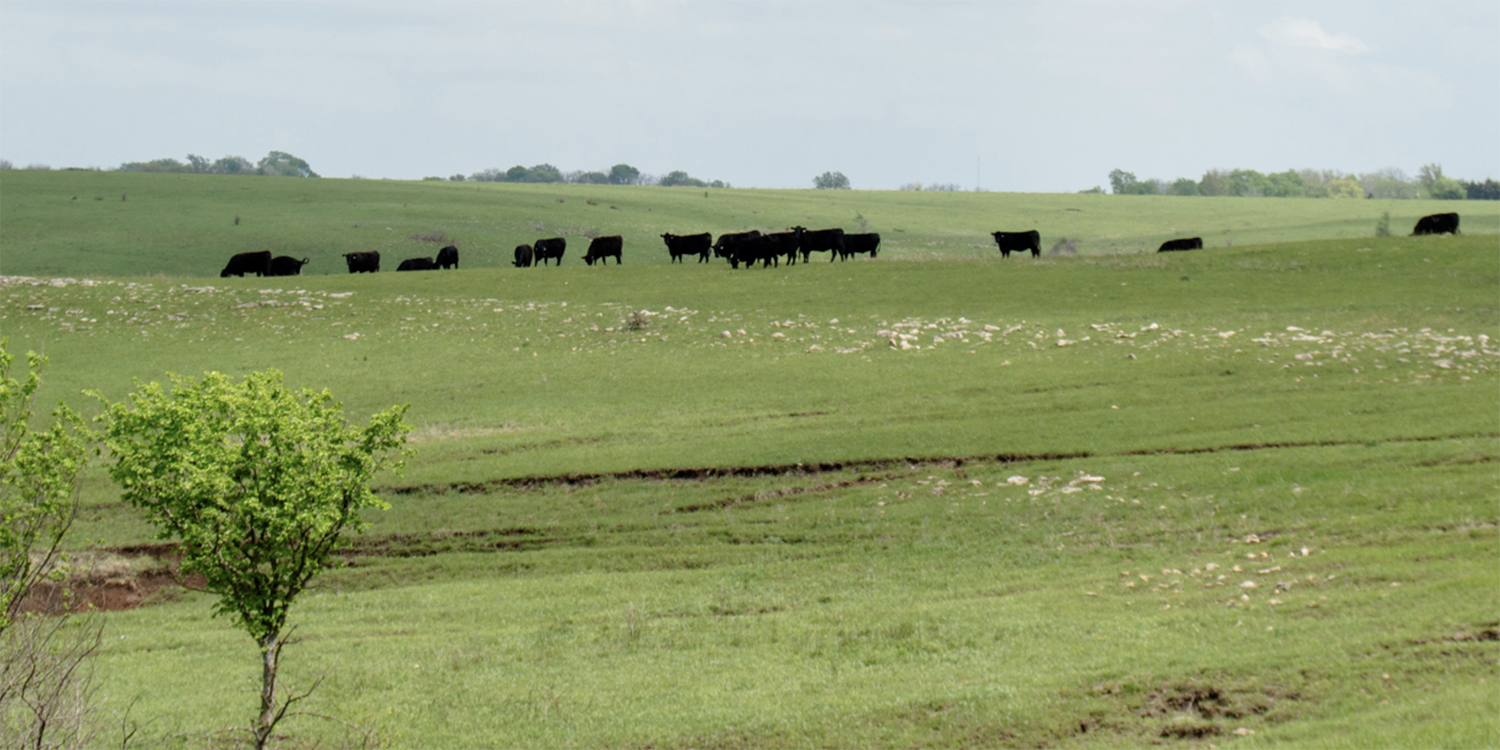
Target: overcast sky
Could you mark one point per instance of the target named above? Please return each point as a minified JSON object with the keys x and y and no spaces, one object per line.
{"x":1018,"y":96}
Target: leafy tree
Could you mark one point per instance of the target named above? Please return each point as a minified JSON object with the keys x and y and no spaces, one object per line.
{"x":1183,"y":186}
{"x":46,"y":676}
{"x":1248,"y":183}
{"x":544,"y":173}
{"x":831,"y":181}
{"x":679,"y":178}
{"x":492,"y":174}
{"x":1447,"y":189}
{"x":1383,"y":226}
{"x":623,"y":174}
{"x":1095,"y":190}
{"x":233,"y":165}
{"x":517,"y":173}
{"x":581,"y":177}
{"x":1288,"y":184}
{"x":1215,"y":183}
{"x":39,"y":473}
{"x":1345,"y":187}
{"x":283,"y":164}
{"x":1121,"y":182}
{"x":259,"y":482}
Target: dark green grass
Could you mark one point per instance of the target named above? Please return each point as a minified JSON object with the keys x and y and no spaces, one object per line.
{"x":76,"y":223}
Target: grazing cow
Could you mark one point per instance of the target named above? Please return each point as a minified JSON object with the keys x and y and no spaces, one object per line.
{"x":365,"y":262}
{"x":1187,"y":243}
{"x":286,"y":265}
{"x":602,"y":247}
{"x":417,"y":264}
{"x":1436,"y":224}
{"x":1018,"y":241}
{"x":724,"y":248}
{"x":692,"y":244}
{"x":243,"y":263}
{"x":859,"y":244}
{"x":447,"y":257}
{"x":831,"y":240}
{"x":523,"y":256}
{"x":541,"y":250}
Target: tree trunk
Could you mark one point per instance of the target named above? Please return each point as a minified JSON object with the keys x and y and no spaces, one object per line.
{"x":270,"y":652}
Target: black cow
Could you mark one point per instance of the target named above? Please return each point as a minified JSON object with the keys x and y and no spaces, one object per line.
{"x":286,"y":265}
{"x":724,"y":248}
{"x":523,"y":256}
{"x":417,"y":264}
{"x":752,"y":250}
{"x":1018,"y":241}
{"x":692,"y":244}
{"x":1434,"y":224}
{"x":777,"y":244}
{"x":831,"y":240}
{"x":602,"y":247}
{"x":243,"y":263}
{"x":447,"y":257}
{"x":859,"y":244}
{"x":1187,"y":243}
{"x":541,"y":250}
{"x":366,"y":262}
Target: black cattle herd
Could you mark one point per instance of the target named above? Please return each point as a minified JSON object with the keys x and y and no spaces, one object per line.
{"x":739,"y":248}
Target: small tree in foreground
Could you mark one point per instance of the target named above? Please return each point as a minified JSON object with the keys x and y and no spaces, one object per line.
{"x":259,"y":483}
{"x":46,"y":677}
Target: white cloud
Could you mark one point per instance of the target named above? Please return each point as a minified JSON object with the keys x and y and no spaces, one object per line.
{"x":1290,"y":31}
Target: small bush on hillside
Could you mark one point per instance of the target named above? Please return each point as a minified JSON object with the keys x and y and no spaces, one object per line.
{"x":1383,"y":227}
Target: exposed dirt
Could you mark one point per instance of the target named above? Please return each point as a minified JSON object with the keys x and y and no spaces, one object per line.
{"x":151,"y":578}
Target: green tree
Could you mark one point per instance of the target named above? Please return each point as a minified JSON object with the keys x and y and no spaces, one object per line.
{"x":831,"y":181}
{"x":1345,"y":187}
{"x":39,"y":473}
{"x":623,"y":174}
{"x":259,"y":483}
{"x":1215,"y":182}
{"x":1288,"y":184}
{"x":46,"y":675}
{"x":1447,"y":189}
{"x":544,"y":173}
{"x":1183,"y":186}
{"x":1248,"y":183}
{"x":679,"y":178}
{"x":517,"y":173}
{"x":233,"y":165}
{"x":283,"y":164}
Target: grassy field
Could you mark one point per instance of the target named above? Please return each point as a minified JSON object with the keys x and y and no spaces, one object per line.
{"x":1245,"y":495}
{"x":132,"y":224}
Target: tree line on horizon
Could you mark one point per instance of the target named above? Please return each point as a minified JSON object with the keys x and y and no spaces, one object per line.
{"x":1389,"y":183}
{"x":619,"y":174}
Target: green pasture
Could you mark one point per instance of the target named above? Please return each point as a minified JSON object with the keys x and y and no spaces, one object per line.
{"x":1245,"y":495}
{"x":134,"y":224}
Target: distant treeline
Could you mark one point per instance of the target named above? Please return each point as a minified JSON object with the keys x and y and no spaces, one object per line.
{"x":1309,"y":183}
{"x":275,"y":164}
{"x":619,"y":174}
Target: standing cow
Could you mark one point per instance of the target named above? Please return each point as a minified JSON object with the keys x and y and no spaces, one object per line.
{"x":822,"y":240}
{"x":692,"y":244}
{"x":1018,"y":242}
{"x":523,"y":256}
{"x":243,"y":263}
{"x":447,"y":257}
{"x":363,"y":262}
{"x":724,"y":248}
{"x":860,"y":244}
{"x":541,"y":250}
{"x":602,"y":247}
